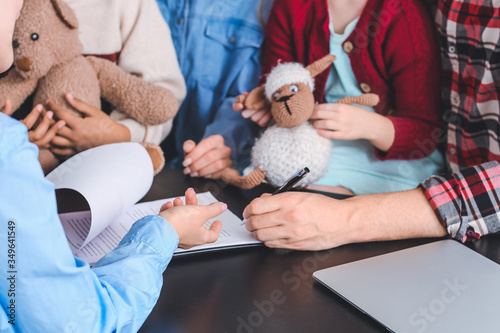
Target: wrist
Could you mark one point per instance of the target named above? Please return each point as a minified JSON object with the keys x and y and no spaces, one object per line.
{"x":355,"y":217}
{"x":342,"y":222}
{"x":123,"y":133}
{"x":382,"y":133}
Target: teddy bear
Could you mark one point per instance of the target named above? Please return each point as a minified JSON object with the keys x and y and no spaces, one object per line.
{"x":291,"y":143}
{"x":48,"y":62}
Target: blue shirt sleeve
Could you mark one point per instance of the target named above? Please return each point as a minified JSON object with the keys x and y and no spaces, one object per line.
{"x":238,"y":133}
{"x":52,"y":291}
{"x":218,"y":44}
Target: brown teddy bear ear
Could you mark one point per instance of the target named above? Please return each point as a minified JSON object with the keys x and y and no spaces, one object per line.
{"x":65,"y":13}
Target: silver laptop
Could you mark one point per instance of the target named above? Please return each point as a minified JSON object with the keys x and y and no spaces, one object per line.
{"x":438,"y":287}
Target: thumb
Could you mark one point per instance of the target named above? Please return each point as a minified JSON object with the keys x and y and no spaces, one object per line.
{"x":7,"y":108}
{"x":214,"y":232}
{"x":188,"y":146}
{"x":81,"y":106}
{"x":214,"y":209}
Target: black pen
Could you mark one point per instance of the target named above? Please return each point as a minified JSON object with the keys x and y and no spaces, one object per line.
{"x":292,"y":181}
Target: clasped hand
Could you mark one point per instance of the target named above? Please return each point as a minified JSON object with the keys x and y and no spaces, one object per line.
{"x":95,"y":128}
{"x":70,"y":134}
{"x":208,"y":158}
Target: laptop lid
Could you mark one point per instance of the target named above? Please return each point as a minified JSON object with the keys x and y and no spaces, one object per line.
{"x":437,"y":287}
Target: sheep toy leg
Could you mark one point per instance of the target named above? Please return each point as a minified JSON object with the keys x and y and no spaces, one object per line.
{"x":249,"y":181}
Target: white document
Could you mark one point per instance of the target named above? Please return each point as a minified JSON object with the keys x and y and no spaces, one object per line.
{"x":111,"y":178}
{"x":233,"y":234}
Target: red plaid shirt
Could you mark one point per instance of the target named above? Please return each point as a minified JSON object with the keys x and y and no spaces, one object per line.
{"x":467,"y":202}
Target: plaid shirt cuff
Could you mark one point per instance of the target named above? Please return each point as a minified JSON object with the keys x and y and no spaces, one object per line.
{"x":467,"y":203}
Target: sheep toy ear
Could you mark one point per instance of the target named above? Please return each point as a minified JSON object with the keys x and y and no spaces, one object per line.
{"x":320,"y":65}
{"x":256,"y":99}
{"x":65,"y":13}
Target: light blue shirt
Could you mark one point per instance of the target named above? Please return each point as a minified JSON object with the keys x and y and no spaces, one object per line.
{"x":52,"y":290}
{"x":353,"y":163}
{"x":218,"y":48}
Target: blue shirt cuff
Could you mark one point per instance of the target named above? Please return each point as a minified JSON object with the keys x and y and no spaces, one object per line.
{"x":156,"y":232}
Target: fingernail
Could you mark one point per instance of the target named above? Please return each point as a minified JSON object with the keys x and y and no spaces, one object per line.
{"x":39,"y":107}
{"x":245,"y":214}
{"x":69,"y":96}
{"x":208,"y":176}
{"x":194,"y":174}
{"x":245,"y":114}
{"x":187,"y":171}
{"x":49,"y":114}
{"x":188,"y":145}
{"x":61,"y":125}
{"x":187,"y":162}
{"x":190,"y":189}
{"x":224,"y":207}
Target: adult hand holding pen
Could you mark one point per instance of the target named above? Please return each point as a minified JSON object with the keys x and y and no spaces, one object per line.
{"x":293,"y":220}
{"x":307,"y":221}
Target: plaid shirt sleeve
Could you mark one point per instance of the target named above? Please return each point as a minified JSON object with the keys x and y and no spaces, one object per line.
{"x":467,"y":203}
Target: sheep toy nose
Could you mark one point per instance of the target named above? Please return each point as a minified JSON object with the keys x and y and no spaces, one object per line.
{"x":23,"y":64}
{"x":284,"y":98}
{"x":15,"y":44}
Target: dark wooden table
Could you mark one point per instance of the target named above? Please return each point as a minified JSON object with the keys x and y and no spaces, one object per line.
{"x":259,"y":289}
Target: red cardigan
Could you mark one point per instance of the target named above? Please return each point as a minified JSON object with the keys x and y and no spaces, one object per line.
{"x":393,"y":53}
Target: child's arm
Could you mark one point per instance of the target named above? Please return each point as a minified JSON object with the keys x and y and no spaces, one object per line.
{"x":148,"y":51}
{"x":119,"y":292}
{"x":412,"y":64}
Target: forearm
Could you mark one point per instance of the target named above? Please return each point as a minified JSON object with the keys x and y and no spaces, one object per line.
{"x":142,"y":133}
{"x":154,"y":61}
{"x":132,"y":274}
{"x":390,"y":216}
{"x":237,"y":131}
{"x":116,"y":295}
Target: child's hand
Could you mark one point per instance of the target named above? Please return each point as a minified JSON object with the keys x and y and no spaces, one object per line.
{"x":45,"y":131}
{"x":238,"y":102}
{"x":95,"y":129}
{"x":208,"y":158}
{"x":188,"y":220}
{"x":350,"y":122}
{"x":261,"y":117}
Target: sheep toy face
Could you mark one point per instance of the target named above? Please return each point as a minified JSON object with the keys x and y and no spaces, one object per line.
{"x":292,"y":104}
{"x":36,"y":49}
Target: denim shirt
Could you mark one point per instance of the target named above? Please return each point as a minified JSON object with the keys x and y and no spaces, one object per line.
{"x":218,"y":48}
{"x":43,"y":287}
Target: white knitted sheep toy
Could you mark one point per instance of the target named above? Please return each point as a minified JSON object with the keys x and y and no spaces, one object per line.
{"x":292,"y":143}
